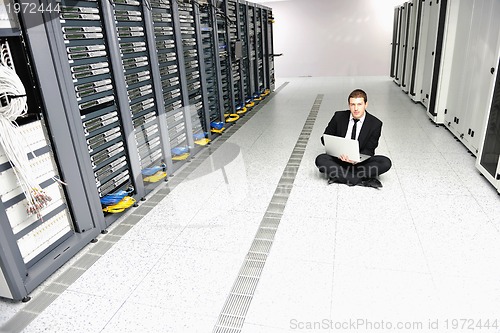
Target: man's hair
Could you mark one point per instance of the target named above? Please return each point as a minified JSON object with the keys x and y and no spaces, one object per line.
{"x":358,"y":93}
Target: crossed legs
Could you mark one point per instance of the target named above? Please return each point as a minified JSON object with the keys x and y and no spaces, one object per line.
{"x":351,"y":174}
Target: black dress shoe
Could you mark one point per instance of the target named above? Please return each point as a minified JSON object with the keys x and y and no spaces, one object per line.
{"x":333,"y":180}
{"x":371,"y":182}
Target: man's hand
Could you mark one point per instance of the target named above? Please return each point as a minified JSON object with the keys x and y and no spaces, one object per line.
{"x":345,"y":158}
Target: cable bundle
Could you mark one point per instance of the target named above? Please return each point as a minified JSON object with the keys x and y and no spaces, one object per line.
{"x":113,"y":198}
{"x":13,"y":105}
{"x":119,"y":207}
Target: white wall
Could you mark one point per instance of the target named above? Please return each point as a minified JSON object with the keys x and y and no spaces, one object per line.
{"x":332,"y":37}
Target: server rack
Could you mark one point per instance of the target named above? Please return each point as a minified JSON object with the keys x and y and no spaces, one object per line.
{"x":139,"y":62}
{"x":227,"y":79}
{"x":167,"y":74}
{"x":169,"y":52}
{"x":33,"y":246}
{"x":416,"y":90}
{"x":452,"y":94}
{"x":260,"y":83}
{"x":394,"y":44}
{"x":415,"y":42}
{"x":252,"y":50}
{"x":235,"y":54}
{"x":212,"y":65}
{"x":398,"y":24}
{"x":435,"y":38}
{"x":193,"y":71}
{"x":269,"y":51}
{"x":246,"y":68}
{"x":482,"y":80}
{"x":403,"y":40}
{"x":488,"y":161}
{"x":408,"y":43}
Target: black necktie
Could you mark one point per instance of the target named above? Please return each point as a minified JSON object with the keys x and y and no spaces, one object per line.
{"x":353,"y":134}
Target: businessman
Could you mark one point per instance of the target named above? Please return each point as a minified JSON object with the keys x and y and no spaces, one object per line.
{"x":355,"y":123}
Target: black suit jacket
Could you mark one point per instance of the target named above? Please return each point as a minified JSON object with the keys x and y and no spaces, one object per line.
{"x":368,"y":136}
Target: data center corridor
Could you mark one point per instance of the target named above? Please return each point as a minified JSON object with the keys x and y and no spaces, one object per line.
{"x":423,"y":249}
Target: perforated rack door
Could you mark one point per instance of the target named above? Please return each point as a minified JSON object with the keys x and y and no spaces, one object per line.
{"x":212,"y":63}
{"x":234,"y":37}
{"x":253,"y":48}
{"x":194,"y":71}
{"x":136,"y":62}
{"x":166,"y":50}
{"x":245,"y":60}
{"x":259,"y":41}
{"x":225,"y":58}
{"x":270,"y":51}
{"x":88,"y":54}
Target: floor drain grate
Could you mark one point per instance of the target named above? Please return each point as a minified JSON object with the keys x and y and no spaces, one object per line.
{"x":232,"y":316}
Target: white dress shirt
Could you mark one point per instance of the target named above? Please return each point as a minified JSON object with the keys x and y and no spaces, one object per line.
{"x":358,"y":126}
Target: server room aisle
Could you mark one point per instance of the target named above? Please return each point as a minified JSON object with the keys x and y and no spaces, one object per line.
{"x":422,"y":250}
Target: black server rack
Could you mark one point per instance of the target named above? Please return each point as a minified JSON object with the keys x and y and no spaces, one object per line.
{"x":269,"y":55}
{"x":101,"y":97}
{"x":169,"y":59}
{"x":394,"y":44}
{"x":223,"y":25}
{"x":43,"y":225}
{"x":235,"y":52}
{"x":208,"y":17}
{"x":260,"y":68}
{"x":245,"y":57}
{"x":135,"y":42}
{"x":415,"y":47}
{"x":489,"y":159}
{"x":196,"y":101}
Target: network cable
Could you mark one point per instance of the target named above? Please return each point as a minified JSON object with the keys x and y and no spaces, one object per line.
{"x":14,"y":105}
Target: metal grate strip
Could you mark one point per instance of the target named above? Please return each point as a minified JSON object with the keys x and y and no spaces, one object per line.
{"x":233,"y":314}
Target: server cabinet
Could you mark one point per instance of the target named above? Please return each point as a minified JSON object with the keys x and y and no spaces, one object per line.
{"x":435,"y":34}
{"x":394,"y":44}
{"x":471,"y":80}
{"x":416,"y":89}
{"x":488,"y":161}
{"x":91,"y":71}
{"x":415,"y":26}
{"x":252,"y":49}
{"x":454,"y":47}
{"x":246,"y":64}
{"x":223,"y":25}
{"x":208,"y":18}
{"x":35,"y":243}
{"x":194,"y":82}
{"x":410,"y":41}
{"x":259,"y":52}
{"x":139,"y":65}
{"x":235,"y":52}
{"x":482,"y":79}
{"x":168,"y":54}
{"x":403,"y":41}
{"x":270,"y":51}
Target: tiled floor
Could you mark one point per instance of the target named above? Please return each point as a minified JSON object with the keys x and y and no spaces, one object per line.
{"x":424,"y":249}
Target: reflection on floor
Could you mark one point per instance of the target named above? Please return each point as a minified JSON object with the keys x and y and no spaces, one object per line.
{"x":423,"y":250}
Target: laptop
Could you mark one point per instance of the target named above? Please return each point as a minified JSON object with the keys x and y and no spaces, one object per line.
{"x":336,"y":146}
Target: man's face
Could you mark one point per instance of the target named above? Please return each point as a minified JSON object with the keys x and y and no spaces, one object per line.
{"x":357,"y":107}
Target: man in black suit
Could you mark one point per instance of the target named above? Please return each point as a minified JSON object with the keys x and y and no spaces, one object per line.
{"x":367,"y":129}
